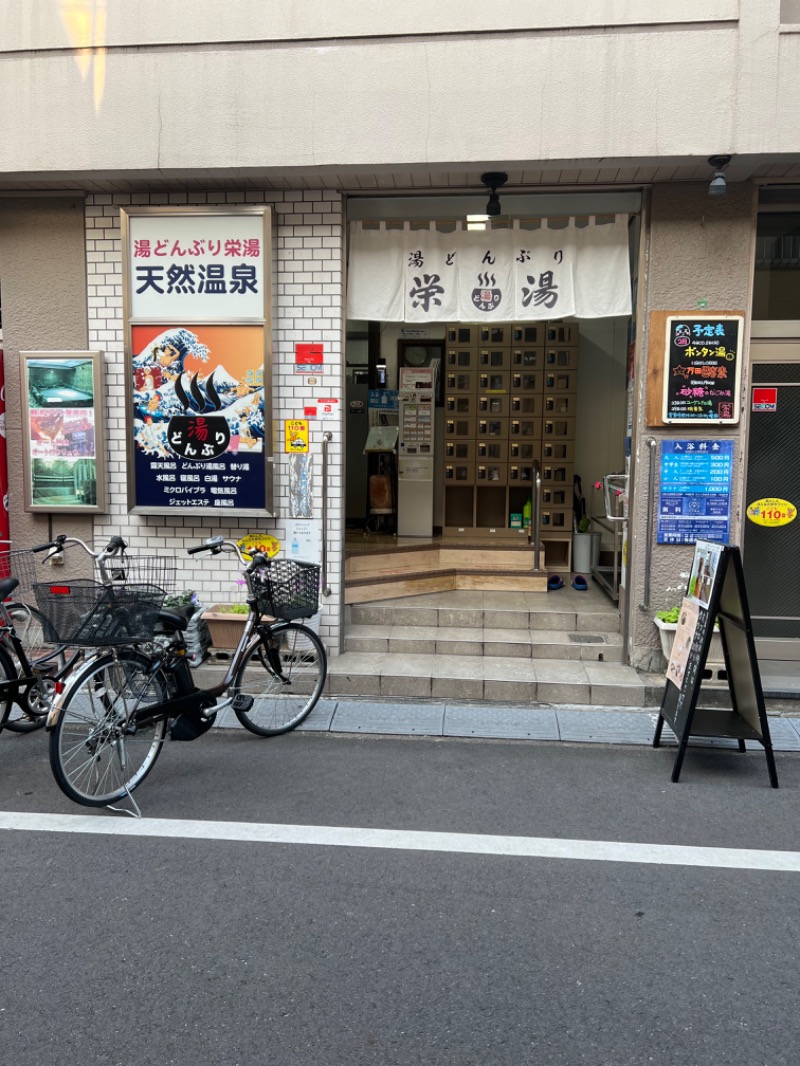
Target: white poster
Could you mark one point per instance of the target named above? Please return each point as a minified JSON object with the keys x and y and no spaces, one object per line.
{"x":513,"y":274}
{"x":196,"y":267}
{"x":303,"y":540}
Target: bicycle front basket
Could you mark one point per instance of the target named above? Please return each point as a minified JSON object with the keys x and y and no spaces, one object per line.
{"x":21,"y":565}
{"x":85,"y":613}
{"x":287,"y":589}
{"x":160,"y":571}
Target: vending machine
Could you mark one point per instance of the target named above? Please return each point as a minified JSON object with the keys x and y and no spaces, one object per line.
{"x":415,"y":452}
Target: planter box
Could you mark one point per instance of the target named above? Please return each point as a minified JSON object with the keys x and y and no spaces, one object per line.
{"x":224,"y":626}
{"x":666,"y":631}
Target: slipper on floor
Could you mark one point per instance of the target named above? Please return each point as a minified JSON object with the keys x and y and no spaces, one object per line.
{"x":579,"y":583}
{"x":554,"y":582}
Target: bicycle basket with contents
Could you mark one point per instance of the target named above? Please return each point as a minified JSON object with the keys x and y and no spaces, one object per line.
{"x":86,"y":613}
{"x":287,"y":589}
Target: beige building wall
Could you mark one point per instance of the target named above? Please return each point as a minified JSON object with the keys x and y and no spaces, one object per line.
{"x":173,"y":88}
{"x":43,"y":283}
{"x":700,"y":249}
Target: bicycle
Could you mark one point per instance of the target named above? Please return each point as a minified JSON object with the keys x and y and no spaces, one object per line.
{"x":108,"y":726}
{"x":30,"y":668}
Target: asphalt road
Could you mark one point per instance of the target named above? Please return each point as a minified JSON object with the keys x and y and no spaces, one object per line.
{"x":139,"y":950}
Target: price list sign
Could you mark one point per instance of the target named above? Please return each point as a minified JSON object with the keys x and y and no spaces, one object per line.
{"x":694,"y":500}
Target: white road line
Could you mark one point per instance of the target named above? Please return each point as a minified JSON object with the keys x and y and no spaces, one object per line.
{"x":407,"y":840}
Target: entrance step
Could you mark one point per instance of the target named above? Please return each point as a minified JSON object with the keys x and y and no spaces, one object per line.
{"x":517,"y":643}
{"x":402,"y":569}
{"x":564,"y":611}
{"x":561,"y":647}
{"x":491,"y":678}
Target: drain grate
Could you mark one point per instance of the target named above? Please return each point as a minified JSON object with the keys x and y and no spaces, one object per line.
{"x":587,"y":638}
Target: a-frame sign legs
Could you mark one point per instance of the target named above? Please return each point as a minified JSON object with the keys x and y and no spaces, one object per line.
{"x":716,"y":591}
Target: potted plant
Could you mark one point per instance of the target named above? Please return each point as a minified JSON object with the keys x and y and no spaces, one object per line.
{"x":666,"y":623}
{"x":225,"y":623}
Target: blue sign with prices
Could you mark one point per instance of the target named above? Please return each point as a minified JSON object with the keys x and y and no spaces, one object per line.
{"x":694,"y":501}
{"x":384,"y":400}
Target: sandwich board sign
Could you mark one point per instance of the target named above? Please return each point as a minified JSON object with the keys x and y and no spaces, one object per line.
{"x":716,"y":591}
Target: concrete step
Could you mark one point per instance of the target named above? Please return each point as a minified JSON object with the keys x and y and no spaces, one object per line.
{"x":406,"y":582}
{"x":543,"y":611}
{"x":518,"y":643}
{"x":493,"y":678}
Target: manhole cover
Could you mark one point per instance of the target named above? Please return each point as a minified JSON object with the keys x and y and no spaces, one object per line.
{"x":587,"y":638}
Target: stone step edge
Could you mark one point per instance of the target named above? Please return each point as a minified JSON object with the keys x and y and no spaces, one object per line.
{"x":518,"y":634}
{"x":454,"y":572}
{"x":454,"y":545}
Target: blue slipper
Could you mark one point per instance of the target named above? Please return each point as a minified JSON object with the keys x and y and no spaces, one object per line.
{"x":579,"y":583}
{"x":554,"y":582}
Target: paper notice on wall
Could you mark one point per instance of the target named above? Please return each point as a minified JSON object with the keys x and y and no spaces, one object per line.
{"x":327,"y":409}
{"x":303,"y":540}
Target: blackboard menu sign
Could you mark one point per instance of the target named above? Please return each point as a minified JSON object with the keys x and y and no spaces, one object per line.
{"x":715,"y":592}
{"x":702,"y":369}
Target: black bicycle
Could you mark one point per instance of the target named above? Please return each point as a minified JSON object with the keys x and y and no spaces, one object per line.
{"x":31,"y":668}
{"x":110,"y":723}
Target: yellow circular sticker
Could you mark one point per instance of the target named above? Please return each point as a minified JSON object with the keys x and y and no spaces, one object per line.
{"x":259,"y":542}
{"x":772,"y":512}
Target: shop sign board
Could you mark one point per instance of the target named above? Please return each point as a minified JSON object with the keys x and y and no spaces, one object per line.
{"x":715,"y":593}
{"x":196,"y":296}
{"x":694,"y":499}
{"x":765,"y":399}
{"x":703,"y":362}
{"x":308,"y":355}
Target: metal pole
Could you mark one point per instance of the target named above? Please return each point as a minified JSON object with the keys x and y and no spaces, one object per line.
{"x":652,"y":443}
{"x":327,"y":437}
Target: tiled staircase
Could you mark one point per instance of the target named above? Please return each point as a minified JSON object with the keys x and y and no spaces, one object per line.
{"x":507,"y":647}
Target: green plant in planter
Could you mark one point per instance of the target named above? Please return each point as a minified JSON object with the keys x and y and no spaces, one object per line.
{"x":584,"y":524}
{"x":232,"y":608}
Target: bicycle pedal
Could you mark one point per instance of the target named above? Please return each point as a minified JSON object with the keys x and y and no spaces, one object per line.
{"x":241,"y":702}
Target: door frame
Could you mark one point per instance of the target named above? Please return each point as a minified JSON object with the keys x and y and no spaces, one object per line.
{"x":770,"y":342}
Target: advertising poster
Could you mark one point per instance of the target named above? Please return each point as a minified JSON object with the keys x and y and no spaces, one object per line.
{"x":198,"y":417}
{"x":197,"y":298}
{"x":684,"y":637}
{"x":62,"y":427}
{"x":703,"y":369}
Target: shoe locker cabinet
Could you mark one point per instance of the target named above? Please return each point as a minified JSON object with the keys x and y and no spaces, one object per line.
{"x":510,"y":393}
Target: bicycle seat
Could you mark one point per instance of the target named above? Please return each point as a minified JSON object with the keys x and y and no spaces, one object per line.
{"x":7,"y":586}
{"x":172,"y":619}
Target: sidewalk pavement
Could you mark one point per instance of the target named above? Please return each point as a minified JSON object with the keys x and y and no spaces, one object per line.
{"x":546,"y":723}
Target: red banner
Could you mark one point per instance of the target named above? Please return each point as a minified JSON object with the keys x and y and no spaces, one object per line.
{"x":4,"y":526}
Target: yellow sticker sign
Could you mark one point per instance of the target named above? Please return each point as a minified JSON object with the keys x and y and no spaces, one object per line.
{"x":772,"y":511}
{"x":296,"y":439}
{"x":258,"y":542}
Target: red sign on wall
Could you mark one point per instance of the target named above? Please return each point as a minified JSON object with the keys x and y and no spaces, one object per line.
{"x":308,"y":354}
{"x":765,"y":399}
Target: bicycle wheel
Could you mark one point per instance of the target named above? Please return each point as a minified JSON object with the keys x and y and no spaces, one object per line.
{"x":97,"y":751}
{"x":32,"y":628}
{"x":283,"y":672}
{"x":7,"y":673}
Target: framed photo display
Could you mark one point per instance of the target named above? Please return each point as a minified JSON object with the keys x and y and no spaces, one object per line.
{"x":196,"y":293}
{"x":63,"y":429}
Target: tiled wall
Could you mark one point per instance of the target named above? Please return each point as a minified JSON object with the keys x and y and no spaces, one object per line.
{"x":308,"y":291}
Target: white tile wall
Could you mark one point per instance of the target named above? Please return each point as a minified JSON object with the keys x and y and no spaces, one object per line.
{"x":308,"y":295}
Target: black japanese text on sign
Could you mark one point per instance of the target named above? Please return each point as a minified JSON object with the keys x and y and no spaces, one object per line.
{"x":702,"y":368}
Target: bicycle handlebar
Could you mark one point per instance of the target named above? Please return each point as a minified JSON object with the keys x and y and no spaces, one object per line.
{"x":215,"y":545}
